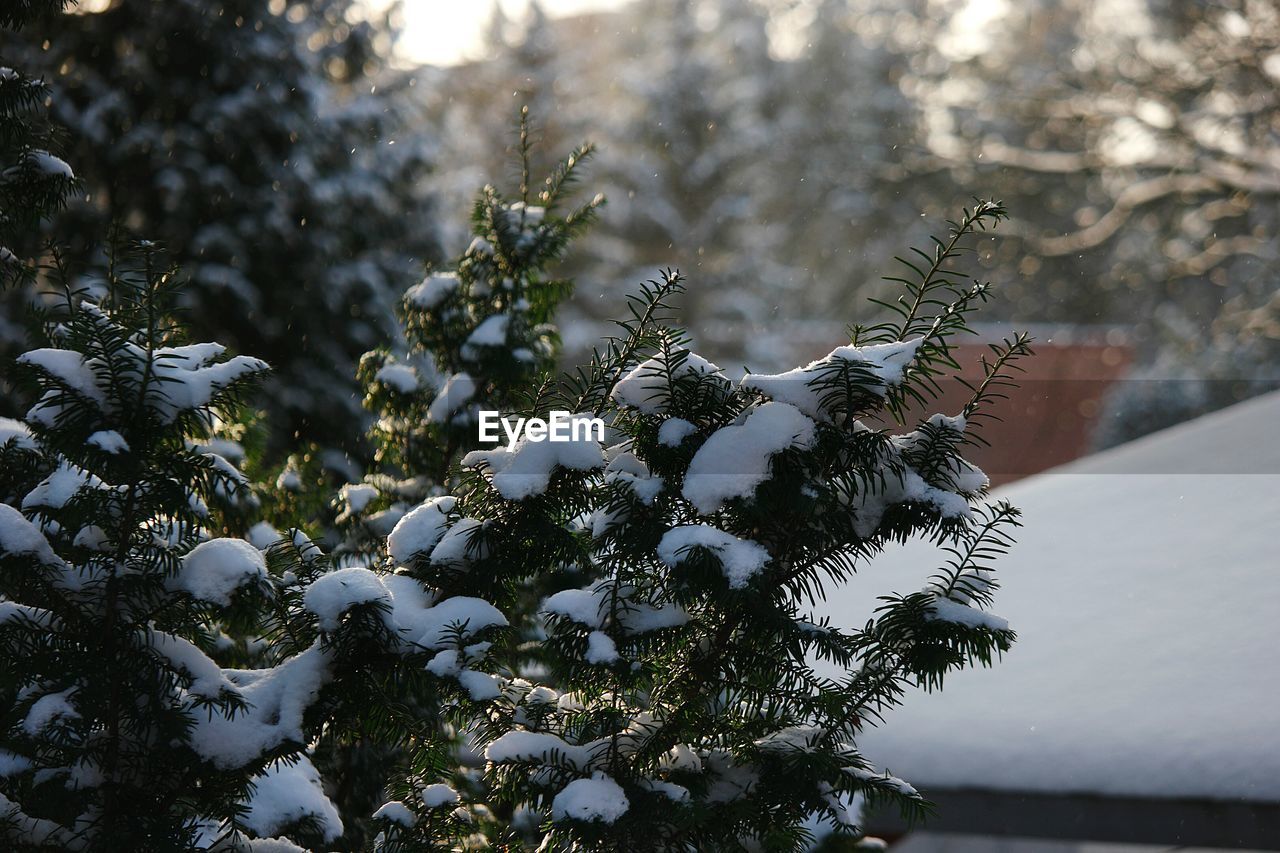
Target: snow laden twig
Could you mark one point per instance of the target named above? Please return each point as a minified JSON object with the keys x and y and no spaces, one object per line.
{"x":591,"y":387}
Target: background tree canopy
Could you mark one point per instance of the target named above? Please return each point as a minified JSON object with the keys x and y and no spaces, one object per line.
{"x":264,"y":144}
{"x":768,"y":144}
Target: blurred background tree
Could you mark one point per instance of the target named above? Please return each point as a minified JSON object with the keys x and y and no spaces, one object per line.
{"x":1141,"y":142}
{"x":263,"y":142}
{"x":762,"y":144}
{"x":34,"y":180}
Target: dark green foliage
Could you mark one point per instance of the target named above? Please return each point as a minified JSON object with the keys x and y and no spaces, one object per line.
{"x":675,"y":677}
{"x":160,"y":679}
{"x":244,"y":136}
{"x":425,"y":392}
{"x":424,"y":426}
{"x":99,"y":691}
{"x":602,"y":645}
{"x":34,"y":183}
{"x":18,"y":13}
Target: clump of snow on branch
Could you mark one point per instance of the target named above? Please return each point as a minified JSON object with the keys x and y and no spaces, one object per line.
{"x":184,"y":378}
{"x":456,"y":392}
{"x":333,"y":594}
{"x":420,"y":529}
{"x":596,"y":799}
{"x":19,"y":536}
{"x":432,"y":290}
{"x":213,"y":571}
{"x":287,"y":792}
{"x":884,"y":366}
{"x":646,"y":385}
{"x":736,"y":459}
{"x":590,"y":607}
{"x":525,"y":470}
{"x":740,"y":559}
{"x":674,"y":431}
{"x":438,"y":794}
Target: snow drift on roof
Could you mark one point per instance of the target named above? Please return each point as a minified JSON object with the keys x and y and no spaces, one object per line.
{"x":1145,"y":590}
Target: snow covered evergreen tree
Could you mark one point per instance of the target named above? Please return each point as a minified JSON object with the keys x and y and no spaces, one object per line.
{"x":102,"y":495}
{"x":577,"y":645}
{"x":129,"y":720}
{"x":476,"y":335}
{"x":672,"y":703}
{"x":243,"y":134}
{"x":34,"y":182}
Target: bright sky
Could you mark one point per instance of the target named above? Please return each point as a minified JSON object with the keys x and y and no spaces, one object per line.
{"x":446,"y":32}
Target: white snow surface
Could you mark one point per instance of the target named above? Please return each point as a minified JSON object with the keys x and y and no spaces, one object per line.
{"x":401,"y":377}
{"x":17,"y":432}
{"x":189,"y":377}
{"x":262,"y":535}
{"x":627,"y":468}
{"x":460,"y":545}
{"x":585,"y":606}
{"x":675,"y":430}
{"x":528,"y":214}
{"x":438,"y":794}
{"x":69,"y":367}
{"x":681,"y":757}
{"x":646,"y":385}
{"x":232,"y":451}
{"x":420,"y":530}
{"x":601,"y":649}
{"x":186,"y":378}
{"x":396,"y":812}
{"x":492,"y":332}
{"x":93,"y":538}
{"x":20,"y":536}
{"x":596,"y":799}
{"x":57,"y":489}
{"x":886,"y":364}
{"x":432,"y":290}
{"x":1144,"y":588}
{"x":525,"y":470}
{"x":212,"y":571}
{"x":48,"y":708}
{"x":740,"y":559}
{"x":108,"y":441}
{"x":552,"y":750}
{"x":277,"y":698}
{"x":284,"y":794}
{"x":11,"y":764}
{"x":424,"y":622}
{"x":949,"y":610}
{"x":357,"y":496}
{"x":481,"y":686}
{"x":50,"y":164}
{"x":670,"y":790}
{"x":333,"y":594}
{"x":590,"y":607}
{"x":183,"y":656}
{"x":456,"y":392}
{"x":735,"y":459}
{"x":447,"y":663}
{"x":906,"y":487}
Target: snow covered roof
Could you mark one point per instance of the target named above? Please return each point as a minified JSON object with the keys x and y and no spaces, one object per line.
{"x":1145,"y":590}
